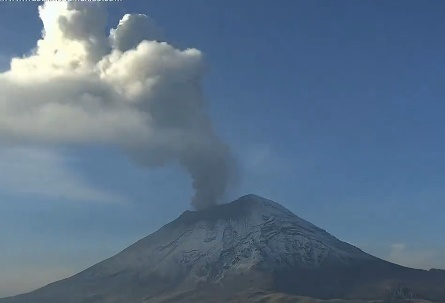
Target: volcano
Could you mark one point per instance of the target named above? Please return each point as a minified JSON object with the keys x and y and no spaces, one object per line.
{"x":249,"y":250}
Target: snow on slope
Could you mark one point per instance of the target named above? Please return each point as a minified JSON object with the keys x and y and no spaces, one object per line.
{"x":251,"y":243}
{"x":251,"y":232}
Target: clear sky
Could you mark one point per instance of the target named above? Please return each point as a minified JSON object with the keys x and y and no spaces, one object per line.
{"x":332,"y":108}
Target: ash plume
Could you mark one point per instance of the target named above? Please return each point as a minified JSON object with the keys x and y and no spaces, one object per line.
{"x":82,"y":86}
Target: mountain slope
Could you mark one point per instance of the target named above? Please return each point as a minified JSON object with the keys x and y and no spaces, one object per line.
{"x":251,"y":243}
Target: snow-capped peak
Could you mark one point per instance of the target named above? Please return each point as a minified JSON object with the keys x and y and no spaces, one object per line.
{"x":251,"y":243}
{"x":249,"y":233}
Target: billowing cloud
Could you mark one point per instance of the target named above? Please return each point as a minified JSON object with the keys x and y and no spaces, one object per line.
{"x":132,"y":29}
{"x":128,"y":89}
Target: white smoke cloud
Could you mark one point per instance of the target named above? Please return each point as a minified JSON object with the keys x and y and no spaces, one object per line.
{"x":127,"y":89}
{"x":132,"y":29}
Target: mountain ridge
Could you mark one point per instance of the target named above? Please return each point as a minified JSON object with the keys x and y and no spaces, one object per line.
{"x":250,"y":243}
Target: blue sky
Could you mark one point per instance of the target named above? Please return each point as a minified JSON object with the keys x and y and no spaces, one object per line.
{"x":334,"y":110}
